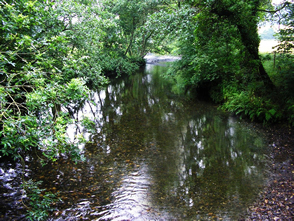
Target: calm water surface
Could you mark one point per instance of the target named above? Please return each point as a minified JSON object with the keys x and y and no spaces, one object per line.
{"x":156,"y":156}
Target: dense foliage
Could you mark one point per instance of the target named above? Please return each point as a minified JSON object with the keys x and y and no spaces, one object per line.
{"x":223,"y":62}
{"x":51,"y":52}
{"x":283,"y":71}
{"x":146,"y":26}
{"x":42,"y":78}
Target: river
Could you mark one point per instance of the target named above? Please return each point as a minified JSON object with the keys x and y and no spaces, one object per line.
{"x":154,"y":155}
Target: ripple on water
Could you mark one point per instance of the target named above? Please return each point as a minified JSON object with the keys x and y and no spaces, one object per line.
{"x":131,"y":199}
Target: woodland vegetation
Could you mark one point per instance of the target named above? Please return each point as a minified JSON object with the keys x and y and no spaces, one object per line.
{"x":222,"y":62}
{"x":52,"y":52}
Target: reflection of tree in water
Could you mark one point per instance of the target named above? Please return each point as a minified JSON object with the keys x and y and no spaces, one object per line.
{"x":198,"y":161}
{"x":204,"y":162}
{"x":130,"y":109}
{"x":207,"y":160}
{"x":221,"y":164}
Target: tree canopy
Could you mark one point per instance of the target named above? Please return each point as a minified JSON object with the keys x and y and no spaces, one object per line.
{"x":52,"y":51}
{"x":51,"y":47}
{"x":221,"y":57}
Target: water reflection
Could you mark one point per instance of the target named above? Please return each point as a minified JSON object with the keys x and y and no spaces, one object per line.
{"x":11,"y":194}
{"x":157,"y":156}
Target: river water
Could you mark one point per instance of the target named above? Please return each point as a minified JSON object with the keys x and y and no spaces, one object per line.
{"x":155,"y":155}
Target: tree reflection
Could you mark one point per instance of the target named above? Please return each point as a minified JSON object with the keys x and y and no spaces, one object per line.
{"x":220,"y":163}
{"x":196,"y":159}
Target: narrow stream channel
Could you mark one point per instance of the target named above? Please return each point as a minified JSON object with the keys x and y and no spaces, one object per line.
{"x":157,"y":156}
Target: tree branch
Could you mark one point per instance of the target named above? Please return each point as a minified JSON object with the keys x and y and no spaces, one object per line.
{"x":275,"y":11}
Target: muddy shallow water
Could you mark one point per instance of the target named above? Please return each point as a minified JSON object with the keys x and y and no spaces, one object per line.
{"x":156,"y":156}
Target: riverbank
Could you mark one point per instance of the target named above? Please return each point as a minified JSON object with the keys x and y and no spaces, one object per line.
{"x":276,"y":200}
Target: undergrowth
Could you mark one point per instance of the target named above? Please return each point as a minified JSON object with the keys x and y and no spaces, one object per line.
{"x":258,"y":105}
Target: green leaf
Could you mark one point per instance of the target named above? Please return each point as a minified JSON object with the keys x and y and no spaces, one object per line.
{"x":272,"y":112}
{"x":268,"y":116}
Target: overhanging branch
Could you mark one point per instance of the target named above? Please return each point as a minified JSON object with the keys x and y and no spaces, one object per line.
{"x":277,"y":10}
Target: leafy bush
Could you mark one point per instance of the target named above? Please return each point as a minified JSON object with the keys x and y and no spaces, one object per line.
{"x":44,"y":70}
{"x":257,"y":108}
{"x":290,"y":111}
{"x":266,"y":57}
{"x":118,"y":66}
{"x":285,"y":69}
{"x":38,"y":202}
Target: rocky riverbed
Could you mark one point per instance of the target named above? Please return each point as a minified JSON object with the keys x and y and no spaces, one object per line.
{"x":276,"y":201}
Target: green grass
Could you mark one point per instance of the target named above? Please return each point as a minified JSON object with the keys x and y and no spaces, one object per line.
{"x":271,"y":67}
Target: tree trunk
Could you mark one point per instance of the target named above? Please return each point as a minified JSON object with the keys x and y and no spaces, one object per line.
{"x":249,"y":36}
{"x":250,"y":40}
